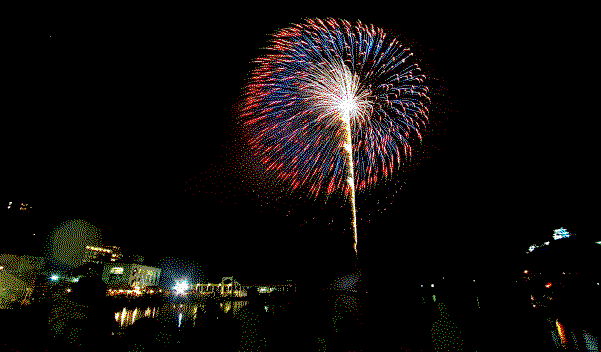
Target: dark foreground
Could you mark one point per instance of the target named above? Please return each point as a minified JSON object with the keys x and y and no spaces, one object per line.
{"x":339,"y":321}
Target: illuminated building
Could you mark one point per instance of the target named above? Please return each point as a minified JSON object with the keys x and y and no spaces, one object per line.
{"x":282,"y":287}
{"x":18,"y":276}
{"x":12,"y":289}
{"x":227,"y":287}
{"x":131,"y":276}
{"x":230,"y":287}
{"x":102,"y":254}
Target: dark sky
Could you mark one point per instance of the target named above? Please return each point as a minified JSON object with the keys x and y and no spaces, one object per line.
{"x":137,"y":138}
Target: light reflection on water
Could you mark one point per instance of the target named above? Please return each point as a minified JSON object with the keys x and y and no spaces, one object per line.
{"x":178,"y":313}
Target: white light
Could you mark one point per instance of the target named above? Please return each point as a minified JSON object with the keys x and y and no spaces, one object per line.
{"x":432,"y":285}
{"x":560,"y":233}
{"x":54,"y":277}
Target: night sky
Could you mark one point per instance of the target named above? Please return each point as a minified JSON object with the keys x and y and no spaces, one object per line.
{"x":137,"y":137}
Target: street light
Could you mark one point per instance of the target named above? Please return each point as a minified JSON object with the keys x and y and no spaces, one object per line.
{"x":54,"y":277}
{"x":181,"y":287}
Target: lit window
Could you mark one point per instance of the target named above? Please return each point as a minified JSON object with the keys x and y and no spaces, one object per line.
{"x":117,"y":270}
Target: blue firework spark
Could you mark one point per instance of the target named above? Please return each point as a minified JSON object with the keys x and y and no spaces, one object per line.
{"x":295,"y":98}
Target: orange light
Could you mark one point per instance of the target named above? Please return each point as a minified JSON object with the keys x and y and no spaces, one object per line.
{"x":562,"y":332}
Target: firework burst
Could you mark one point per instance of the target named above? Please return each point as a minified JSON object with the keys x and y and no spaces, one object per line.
{"x":333,"y":106}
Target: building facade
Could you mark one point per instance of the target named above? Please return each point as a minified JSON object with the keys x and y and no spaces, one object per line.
{"x":227,"y":287}
{"x":131,"y":275}
{"x":102,"y":254}
{"x":18,"y":276}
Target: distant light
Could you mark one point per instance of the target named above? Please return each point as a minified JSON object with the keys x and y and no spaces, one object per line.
{"x":525,"y":271}
{"x":54,"y":277}
{"x":432,"y":285}
{"x":548,"y":285}
{"x":560,"y":233}
{"x":547,"y":243}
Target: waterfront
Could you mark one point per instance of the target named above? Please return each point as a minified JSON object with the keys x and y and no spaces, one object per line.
{"x":62,"y":322}
{"x":284,"y":322}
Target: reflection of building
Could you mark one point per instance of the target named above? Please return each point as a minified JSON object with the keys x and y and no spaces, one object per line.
{"x":102,"y":254}
{"x":130,"y":276}
{"x":18,"y":276}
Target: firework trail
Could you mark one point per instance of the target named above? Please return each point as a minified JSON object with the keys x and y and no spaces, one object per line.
{"x":332,"y":107}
